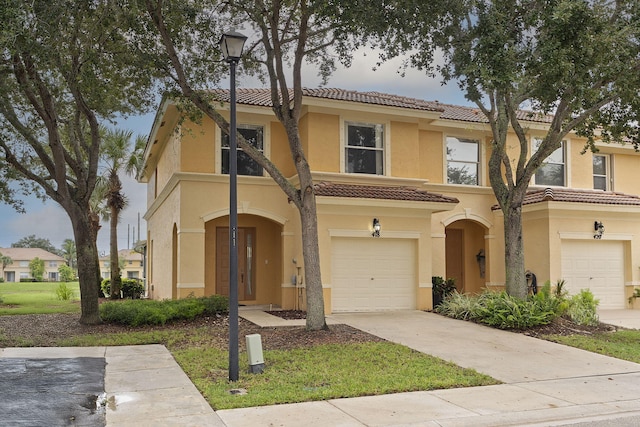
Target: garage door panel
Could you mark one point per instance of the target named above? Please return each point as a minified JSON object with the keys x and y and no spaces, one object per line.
{"x":597,"y":266}
{"x":373,"y":274}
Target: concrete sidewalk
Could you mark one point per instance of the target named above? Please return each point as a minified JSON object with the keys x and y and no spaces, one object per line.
{"x":144,"y":386}
{"x":544,"y":383}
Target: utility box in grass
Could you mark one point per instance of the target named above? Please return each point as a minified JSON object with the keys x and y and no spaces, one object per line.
{"x":254,"y":351}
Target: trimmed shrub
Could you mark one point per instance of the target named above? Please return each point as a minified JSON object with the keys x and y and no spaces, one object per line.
{"x":66,"y":273}
{"x":582,"y":308}
{"x":130,"y":288}
{"x":499,"y":310}
{"x":152,"y":312}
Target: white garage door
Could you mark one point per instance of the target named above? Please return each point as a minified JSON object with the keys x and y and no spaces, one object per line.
{"x":373,"y":274}
{"x":595,"y":265}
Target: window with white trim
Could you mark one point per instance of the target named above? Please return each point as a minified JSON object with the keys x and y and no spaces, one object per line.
{"x":601,"y":172}
{"x":553,"y":170}
{"x":246,"y":165}
{"x":364,"y":148}
{"x":463,"y":161}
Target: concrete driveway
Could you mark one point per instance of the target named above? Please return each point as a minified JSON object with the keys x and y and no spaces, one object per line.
{"x":629,"y":319}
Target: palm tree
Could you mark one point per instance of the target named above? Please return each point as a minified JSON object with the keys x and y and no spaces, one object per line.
{"x":4,"y":260}
{"x":69,"y":253}
{"x":118,"y":156}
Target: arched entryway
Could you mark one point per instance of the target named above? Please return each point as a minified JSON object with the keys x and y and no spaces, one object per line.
{"x":465,"y":255}
{"x":259,"y":259}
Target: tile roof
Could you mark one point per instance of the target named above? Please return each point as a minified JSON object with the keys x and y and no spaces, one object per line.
{"x":262,"y":98}
{"x":27,"y":254}
{"x":538,"y":195}
{"x":331,"y":189}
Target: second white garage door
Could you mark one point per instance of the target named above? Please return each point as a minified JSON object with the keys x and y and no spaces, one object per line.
{"x":597,"y":266}
{"x":373,"y":274}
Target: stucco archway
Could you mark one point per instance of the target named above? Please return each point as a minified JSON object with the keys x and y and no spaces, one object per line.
{"x":466,"y":255}
{"x":259,"y":258}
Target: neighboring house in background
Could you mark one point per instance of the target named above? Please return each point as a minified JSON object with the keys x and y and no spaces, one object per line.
{"x":419,"y":168}
{"x":131,"y":265}
{"x":21,"y":258}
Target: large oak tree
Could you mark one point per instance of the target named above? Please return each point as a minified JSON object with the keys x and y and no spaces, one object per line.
{"x":63,"y":72}
{"x":576,"y":62}
{"x":284,"y":35}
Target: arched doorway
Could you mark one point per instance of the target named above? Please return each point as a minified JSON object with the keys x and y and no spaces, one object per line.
{"x":465,"y":255}
{"x":260,"y":256}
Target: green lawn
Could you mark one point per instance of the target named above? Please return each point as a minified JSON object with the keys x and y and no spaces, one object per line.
{"x":36,"y":298}
{"x":299,"y":375}
{"x":623,"y":344}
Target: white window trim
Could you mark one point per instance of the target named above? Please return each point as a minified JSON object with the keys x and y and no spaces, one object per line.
{"x":567,"y":163}
{"x":481,"y":159}
{"x":266,"y":143}
{"x":608,"y":171}
{"x":386,"y":143}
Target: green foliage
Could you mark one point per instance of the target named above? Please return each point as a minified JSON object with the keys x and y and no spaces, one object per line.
{"x":582,"y":308}
{"x":636,"y":294}
{"x":151,"y":312}
{"x":500,"y":310}
{"x":36,"y":266}
{"x":554,"y":301}
{"x":458,"y":306}
{"x":66,"y":273}
{"x":130,"y":288}
{"x":32,"y":241}
{"x":64,"y":292}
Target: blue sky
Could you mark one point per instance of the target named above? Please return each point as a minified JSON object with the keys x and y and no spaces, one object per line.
{"x":48,"y":220}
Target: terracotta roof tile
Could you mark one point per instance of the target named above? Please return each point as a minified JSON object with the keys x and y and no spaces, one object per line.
{"x":262,"y":98}
{"x":379,"y":192}
{"x":538,"y":195}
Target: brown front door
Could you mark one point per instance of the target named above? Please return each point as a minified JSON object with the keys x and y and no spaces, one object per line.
{"x":246,"y":267}
{"x":454,"y":253}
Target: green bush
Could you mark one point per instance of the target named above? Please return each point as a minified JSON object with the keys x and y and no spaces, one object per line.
{"x":458,"y":306}
{"x":63,"y":292}
{"x":151,"y":312}
{"x":582,"y":308}
{"x":499,"y":310}
{"x":130,"y":288}
{"x":66,"y":273}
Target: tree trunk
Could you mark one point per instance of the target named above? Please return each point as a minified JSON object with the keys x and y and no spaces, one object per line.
{"x":116,"y":282}
{"x":88,"y":264}
{"x":516,"y":284}
{"x":311,"y":254}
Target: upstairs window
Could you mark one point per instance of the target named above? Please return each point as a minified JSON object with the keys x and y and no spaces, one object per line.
{"x":246,"y":165}
{"x":364,"y":151}
{"x":553,"y":170}
{"x":463,"y":161}
{"x":601,"y":169}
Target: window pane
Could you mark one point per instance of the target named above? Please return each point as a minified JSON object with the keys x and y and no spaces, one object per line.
{"x":462,"y":173}
{"x":464,"y":150}
{"x":600,"y":183}
{"x":364,"y":161}
{"x":246,"y":165}
{"x":364,"y":136}
{"x":599,"y":165}
{"x":550,"y":174}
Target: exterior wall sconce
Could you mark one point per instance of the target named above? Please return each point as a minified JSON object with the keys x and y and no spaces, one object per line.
{"x":598,"y":227}
{"x":376,"y":228}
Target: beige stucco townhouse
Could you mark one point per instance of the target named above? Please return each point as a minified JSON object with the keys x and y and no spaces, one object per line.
{"x":419,"y":168}
{"x":21,"y":257}
{"x":131,"y":265}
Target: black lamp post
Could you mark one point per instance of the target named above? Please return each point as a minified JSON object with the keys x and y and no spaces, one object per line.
{"x":231,"y":45}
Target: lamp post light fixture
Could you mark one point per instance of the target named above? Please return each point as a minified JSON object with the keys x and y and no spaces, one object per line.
{"x":231,"y":45}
